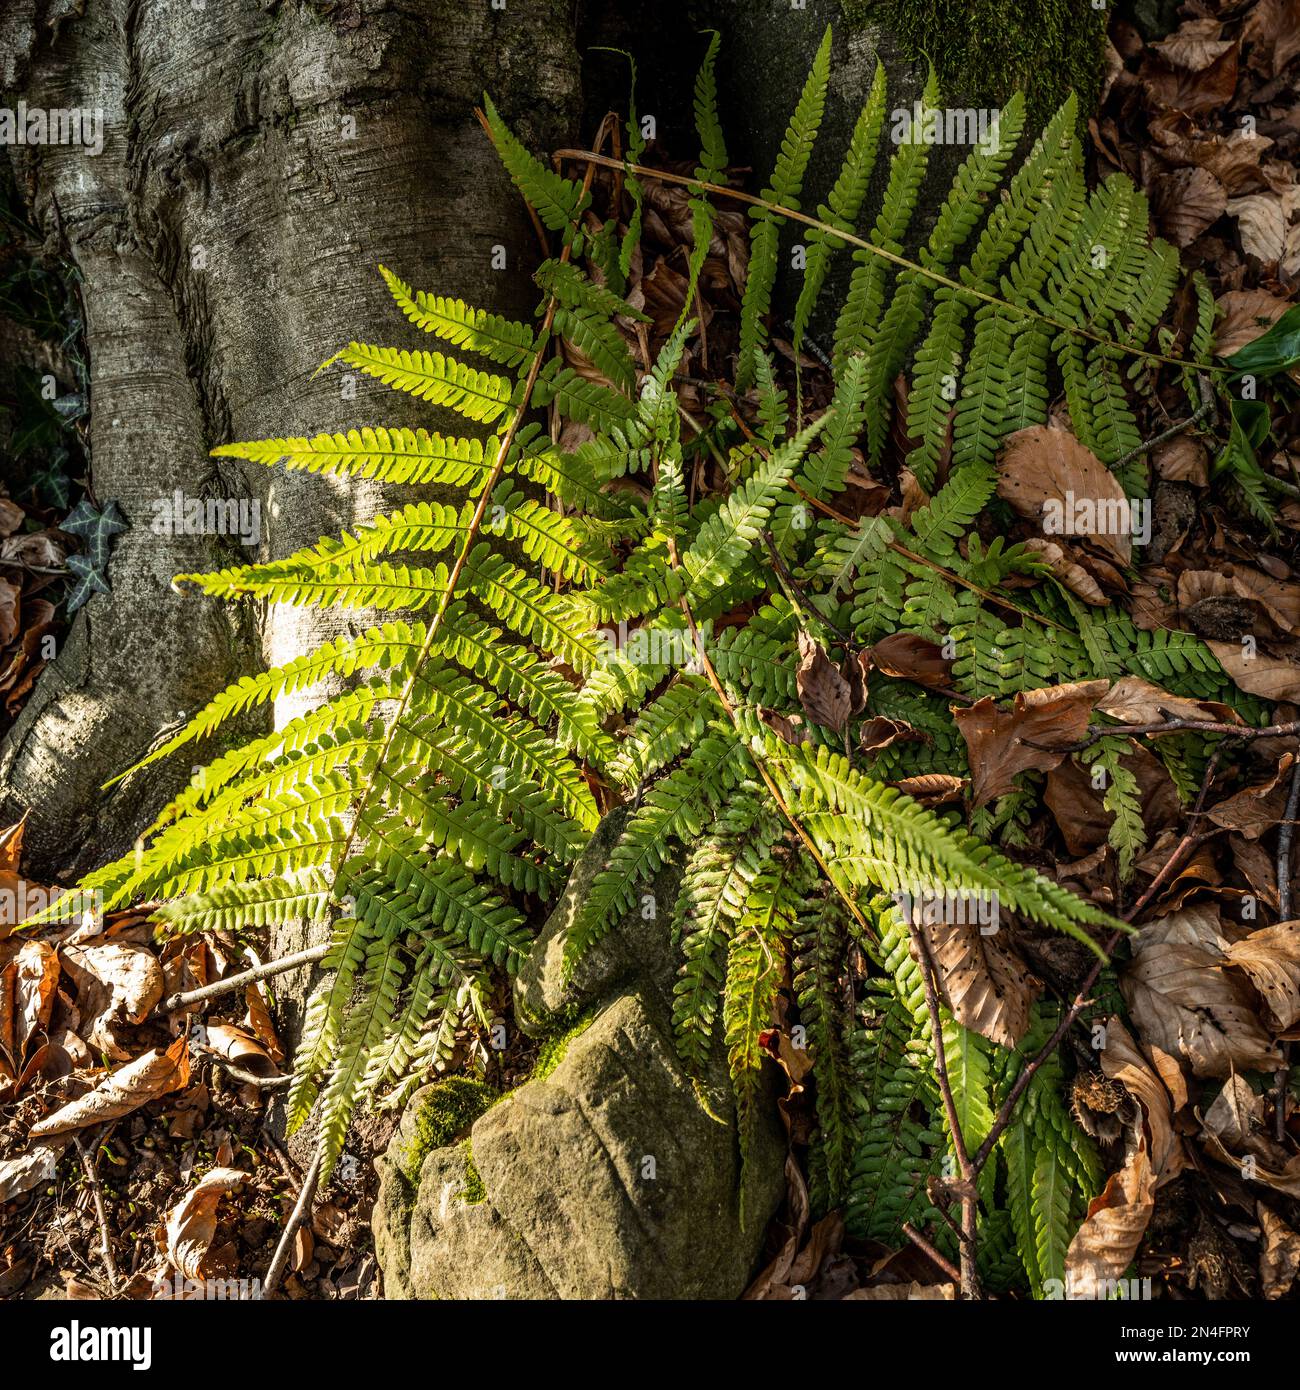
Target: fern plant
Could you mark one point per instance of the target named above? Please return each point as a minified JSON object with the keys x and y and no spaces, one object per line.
{"x":429,"y":809}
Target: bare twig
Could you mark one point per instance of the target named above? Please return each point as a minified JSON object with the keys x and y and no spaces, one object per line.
{"x":1170,"y":726}
{"x":928,"y":1250}
{"x":793,"y":589}
{"x":101,"y":1215}
{"x":296,"y":1217}
{"x":248,"y":1078}
{"x":1202,"y":412}
{"x":1081,"y":999}
{"x":245,"y":977}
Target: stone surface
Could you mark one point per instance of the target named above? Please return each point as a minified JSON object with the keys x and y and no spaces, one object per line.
{"x":609,"y":1180}
{"x":636,"y":949}
{"x":617,"y":1176}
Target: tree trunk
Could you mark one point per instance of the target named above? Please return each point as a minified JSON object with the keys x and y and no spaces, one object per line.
{"x":258,"y":163}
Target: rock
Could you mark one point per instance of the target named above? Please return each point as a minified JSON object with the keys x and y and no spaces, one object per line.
{"x":635,"y":949}
{"x":610,"y":1174}
{"x":610,"y":1179}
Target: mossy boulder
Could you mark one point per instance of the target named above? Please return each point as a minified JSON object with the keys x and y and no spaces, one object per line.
{"x":609,"y":1179}
{"x":611,"y":1173}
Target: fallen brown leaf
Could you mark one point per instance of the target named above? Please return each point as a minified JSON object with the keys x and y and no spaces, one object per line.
{"x":983,"y":981}
{"x":1104,"y":1245}
{"x":1184,"y":1001}
{"x":1122,"y":1061}
{"x":1053,"y":480}
{"x":117,"y":982}
{"x":823,"y":692}
{"x":132,"y":1085}
{"x":192,"y":1222}
{"x":998,"y":741}
{"x":1271,"y":958}
{"x":906,"y":656}
{"x":1270,"y":677}
{"x":1279,"y":1254}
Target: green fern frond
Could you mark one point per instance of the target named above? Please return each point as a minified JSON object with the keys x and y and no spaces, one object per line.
{"x":784,"y":188}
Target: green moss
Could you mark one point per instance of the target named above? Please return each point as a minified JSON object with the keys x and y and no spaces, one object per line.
{"x":473,"y":1192}
{"x":983,"y":50}
{"x":552,"y":1051}
{"x":449,"y":1109}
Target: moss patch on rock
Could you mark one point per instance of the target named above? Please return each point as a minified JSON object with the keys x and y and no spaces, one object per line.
{"x":983,"y":50}
{"x":551,"y":1053}
{"x":449,"y":1108}
{"x":474,"y":1191}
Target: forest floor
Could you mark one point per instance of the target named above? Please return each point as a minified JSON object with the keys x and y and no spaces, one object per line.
{"x":171,"y":1176}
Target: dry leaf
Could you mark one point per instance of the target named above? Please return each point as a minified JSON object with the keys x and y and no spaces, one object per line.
{"x":1261,"y":223}
{"x":1194,"y":45}
{"x":1136,"y":701}
{"x":1247,"y":315}
{"x":932,"y":788}
{"x":983,"y":981}
{"x":116,"y":983}
{"x":823,"y":692}
{"x":36,"y":982}
{"x":1188,"y":201}
{"x":880,"y":732}
{"x":1267,"y":676}
{"x":1279,"y":1255}
{"x":1182,"y":460}
{"x":998,"y":741}
{"x":1054,"y":481}
{"x":240,"y":1048}
{"x":1104,"y":1245}
{"x":192,"y":1223}
{"x":29,"y":1170}
{"x":906,"y":656}
{"x":1271,"y":957}
{"x":132,"y":1085}
{"x":1072,"y":574}
{"x":1122,"y":1061}
{"x":1184,"y":1001}
{"x":1257,"y":808}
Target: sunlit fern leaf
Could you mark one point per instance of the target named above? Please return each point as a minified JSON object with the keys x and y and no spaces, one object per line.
{"x":500,"y":339}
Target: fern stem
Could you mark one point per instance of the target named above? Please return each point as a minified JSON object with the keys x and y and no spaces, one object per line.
{"x":966,"y":291}
{"x":970,"y":1288}
{"x":950,"y":575}
{"x":462,"y":558}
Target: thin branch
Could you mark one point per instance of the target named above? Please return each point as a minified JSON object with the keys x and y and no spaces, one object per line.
{"x":940,"y":1261}
{"x":1170,"y":726}
{"x":245,"y":977}
{"x":101,"y":1215}
{"x":296,"y":1217}
{"x":1203,"y":411}
{"x":1285,"y":836}
{"x":1081,"y":999}
{"x":969,"y":1275}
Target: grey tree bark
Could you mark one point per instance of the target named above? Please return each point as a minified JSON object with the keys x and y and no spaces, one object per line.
{"x":259,"y":161}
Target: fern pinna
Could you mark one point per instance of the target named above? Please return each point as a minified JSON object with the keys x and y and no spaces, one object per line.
{"x":429,"y":808}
